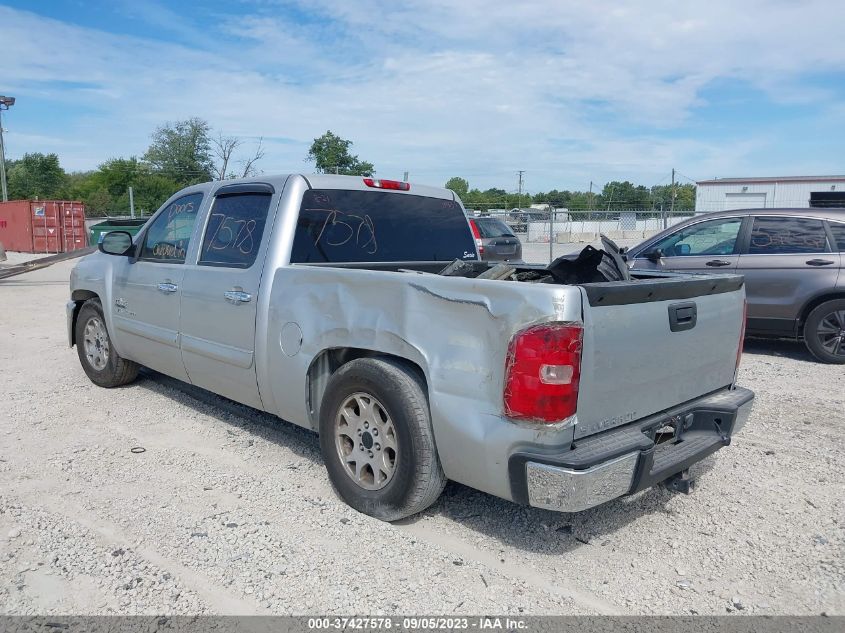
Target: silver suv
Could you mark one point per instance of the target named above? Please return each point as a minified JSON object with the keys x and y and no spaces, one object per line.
{"x":791,"y":259}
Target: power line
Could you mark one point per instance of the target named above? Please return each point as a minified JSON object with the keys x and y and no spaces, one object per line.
{"x":692,"y":180}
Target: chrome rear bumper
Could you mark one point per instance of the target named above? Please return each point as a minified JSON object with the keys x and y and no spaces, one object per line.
{"x":629,"y":459}
{"x":569,"y":490}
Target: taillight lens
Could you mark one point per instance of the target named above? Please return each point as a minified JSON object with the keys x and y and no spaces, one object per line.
{"x":387,"y":184}
{"x":542,"y":372}
{"x":477,"y":235}
{"x":741,"y":334}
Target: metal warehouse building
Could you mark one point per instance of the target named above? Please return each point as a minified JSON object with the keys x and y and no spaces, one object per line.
{"x":761,"y":193}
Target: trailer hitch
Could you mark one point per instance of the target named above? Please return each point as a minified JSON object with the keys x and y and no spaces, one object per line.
{"x":680,"y":482}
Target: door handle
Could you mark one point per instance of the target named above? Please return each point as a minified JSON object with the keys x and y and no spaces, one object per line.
{"x":168,"y":287}
{"x":683,"y":316}
{"x":237,"y":296}
{"x":717,"y":263}
{"x":819,"y":262}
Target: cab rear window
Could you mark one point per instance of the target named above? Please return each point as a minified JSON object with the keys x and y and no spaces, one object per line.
{"x":337,"y":226}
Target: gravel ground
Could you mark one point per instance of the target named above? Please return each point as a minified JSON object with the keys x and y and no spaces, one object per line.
{"x":230,"y":511}
{"x":14,"y":258}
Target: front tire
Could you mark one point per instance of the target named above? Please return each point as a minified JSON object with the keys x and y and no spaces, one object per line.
{"x":824,"y":331}
{"x":100,"y":361}
{"x":377,"y":441}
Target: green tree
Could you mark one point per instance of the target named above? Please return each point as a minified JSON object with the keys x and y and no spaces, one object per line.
{"x":98,"y":203}
{"x":105,"y":191}
{"x":557,"y":199}
{"x":151,"y":192}
{"x":36,"y":175}
{"x":684,"y":196}
{"x":623,"y":195}
{"x":182,"y":152}
{"x":459,"y":185}
{"x":330,"y":155}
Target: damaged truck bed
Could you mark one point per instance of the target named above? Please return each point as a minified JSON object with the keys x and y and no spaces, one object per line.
{"x":359,"y":308}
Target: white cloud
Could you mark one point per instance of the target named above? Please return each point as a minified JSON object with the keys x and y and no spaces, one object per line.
{"x":569,"y":91}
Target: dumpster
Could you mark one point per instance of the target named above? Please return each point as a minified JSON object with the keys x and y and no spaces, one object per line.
{"x":130,"y":225}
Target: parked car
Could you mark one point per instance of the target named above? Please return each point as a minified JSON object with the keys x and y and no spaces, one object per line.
{"x":357,"y":308}
{"x":791,"y":260}
{"x":495,"y":240}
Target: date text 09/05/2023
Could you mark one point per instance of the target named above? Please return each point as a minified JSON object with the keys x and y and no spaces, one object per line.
{"x":482,"y":623}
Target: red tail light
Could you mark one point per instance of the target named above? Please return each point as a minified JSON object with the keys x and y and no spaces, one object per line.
{"x":387,"y":184}
{"x":741,"y":334}
{"x":542,"y":373}
{"x":477,"y":235}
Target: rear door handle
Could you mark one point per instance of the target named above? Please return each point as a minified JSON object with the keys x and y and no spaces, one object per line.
{"x":168,"y":287}
{"x":237,"y":296}
{"x":819,"y":262}
{"x":717,"y":263}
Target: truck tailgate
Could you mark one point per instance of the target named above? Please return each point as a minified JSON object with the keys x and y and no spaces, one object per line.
{"x":655,"y":343}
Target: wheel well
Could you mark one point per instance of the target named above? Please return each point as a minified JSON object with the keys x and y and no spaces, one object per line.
{"x":329,"y":361}
{"x":79,"y":297}
{"x":813,"y":304}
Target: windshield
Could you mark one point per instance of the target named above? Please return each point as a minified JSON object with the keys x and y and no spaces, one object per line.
{"x":376,"y":226}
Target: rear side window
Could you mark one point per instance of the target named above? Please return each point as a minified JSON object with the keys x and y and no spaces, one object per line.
{"x":784,"y":235}
{"x":375,"y":226}
{"x":234,"y":231}
{"x":489,"y":228}
{"x":838,"y":230}
{"x":169,"y":235}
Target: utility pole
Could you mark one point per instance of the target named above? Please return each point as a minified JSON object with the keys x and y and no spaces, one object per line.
{"x":131,"y":204}
{"x":609,"y":202}
{"x":590,"y":197}
{"x":3,"y":160}
{"x":5,"y":104}
{"x":520,"y":172}
{"x":406,"y":177}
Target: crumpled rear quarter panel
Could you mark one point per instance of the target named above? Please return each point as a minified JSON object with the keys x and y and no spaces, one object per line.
{"x":457,"y":330}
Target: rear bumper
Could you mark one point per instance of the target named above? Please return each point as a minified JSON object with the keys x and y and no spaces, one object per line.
{"x":626,"y":460}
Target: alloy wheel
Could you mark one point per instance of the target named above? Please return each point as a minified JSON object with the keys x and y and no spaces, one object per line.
{"x":366,"y":442}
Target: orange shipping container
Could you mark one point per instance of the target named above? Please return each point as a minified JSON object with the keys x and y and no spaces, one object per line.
{"x":42,"y":226}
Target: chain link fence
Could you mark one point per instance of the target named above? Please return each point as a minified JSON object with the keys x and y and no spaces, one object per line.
{"x":566,"y":226}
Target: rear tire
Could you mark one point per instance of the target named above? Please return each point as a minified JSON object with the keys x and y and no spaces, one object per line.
{"x":100,"y":361}
{"x":824,"y":332}
{"x":377,"y":441}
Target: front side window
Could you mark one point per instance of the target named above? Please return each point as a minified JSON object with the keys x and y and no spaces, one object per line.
{"x":714,"y":237}
{"x":784,"y":235}
{"x":377,"y":226}
{"x":838,"y":230}
{"x":235,"y":227}
{"x":169,"y":235}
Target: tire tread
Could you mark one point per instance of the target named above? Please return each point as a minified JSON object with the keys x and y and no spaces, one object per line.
{"x":123,"y":371}
{"x":810,"y":325}
{"x":428,"y":478}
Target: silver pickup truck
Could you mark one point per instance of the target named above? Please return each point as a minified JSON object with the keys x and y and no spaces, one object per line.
{"x":359,"y":308}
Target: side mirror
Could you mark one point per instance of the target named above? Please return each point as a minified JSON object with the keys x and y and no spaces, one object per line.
{"x":116,"y":243}
{"x":654,"y":256}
